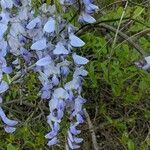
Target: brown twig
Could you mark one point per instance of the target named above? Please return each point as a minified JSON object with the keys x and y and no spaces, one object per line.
{"x":113,"y":29}
{"x":136,"y":36}
{"x":126,"y":37}
{"x":95,"y":144}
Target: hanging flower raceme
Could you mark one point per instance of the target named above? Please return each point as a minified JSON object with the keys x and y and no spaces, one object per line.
{"x":9,"y":125}
{"x":51,"y":41}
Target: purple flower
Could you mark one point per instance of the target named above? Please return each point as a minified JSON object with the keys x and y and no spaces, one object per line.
{"x":54,"y":131}
{"x":6,"y":120}
{"x":79,"y":60}
{"x":75,"y":41}
{"x":52,"y":142}
{"x":3,"y":86}
{"x":73,"y":129}
{"x":39,"y":45}
{"x":60,"y":49}
{"x":46,"y":42}
{"x":9,"y":129}
{"x":26,"y":54}
{"x":34,"y":23}
{"x":87,"y":18}
{"x":49,"y":27}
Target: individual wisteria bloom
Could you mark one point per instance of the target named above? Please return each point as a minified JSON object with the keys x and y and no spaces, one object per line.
{"x":39,"y":45}
{"x":47,"y":42}
{"x":89,"y":8}
{"x":50,"y":25}
{"x":60,"y":49}
{"x":147,"y":66}
{"x":34,"y":23}
{"x":57,"y":106}
{"x":85,"y":17}
{"x":26,"y":55}
{"x":79,"y":60}
{"x":9,"y":124}
{"x":67,"y":2}
{"x":53,"y":141}
{"x":6,"y":4}
{"x":144,"y":64}
{"x":4,"y":19}
{"x":73,"y":140}
{"x":54,"y":131}
{"x":3,"y":86}
{"x":75,"y":41}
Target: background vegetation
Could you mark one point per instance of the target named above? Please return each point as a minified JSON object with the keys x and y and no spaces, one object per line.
{"x":117,"y":91}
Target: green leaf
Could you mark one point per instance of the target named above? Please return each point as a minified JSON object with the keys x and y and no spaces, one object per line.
{"x":138,"y":11}
{"x":48,"y":2}
{"x":131,"y":145}
{"x":11,"y":147}
{"x":125,"y":137}
{"x":148,"y":141}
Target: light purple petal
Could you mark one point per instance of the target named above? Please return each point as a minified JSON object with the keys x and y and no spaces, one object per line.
{"x":45,"y":94}
{"x":9,"y":129}
{"x":54,"y":131}
{"x":55,"y":80}
{"x":60,"y":49}
{"x":56,"y":127}
{"x":51,"y":135}
{"x":78,"y":140}
{"x":44,"y":61}
{"x":76,"y":146}
{"x":6,"y":120}
{"x":60,"y":114}
{"x":70,"y":136}
{"x":7,"y":70}
{"x":53,"y":103}
{"x":6,"y":4}
{"x":79,"y":118}
{"x":32,"y":24}
{"x":85,"y":17}
{"x":60,"y":93}
{"x":74,"y":131}
{"x":3,"y":29}
{"x":75,"y":41}
{"x":49,"y":27}
{"x":147,"y":59}
{"x":3,"y":86}
{"x":91,"y":8}
{"x":70,"y":143}
{"x":79,"y":60}
{"x":26,"y":54}
{"x":52,"y":142}
{"x":39,"y":45}
{"x":64,"y":71}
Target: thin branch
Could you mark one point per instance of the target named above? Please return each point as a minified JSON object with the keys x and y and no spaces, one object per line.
{"x":113,"y":29}
{"x":126,"y":37}
{"x":95,"y":144}
{"x":109,"y":5}
{"x":135,"y":36}
{"x":141,"y":33}
{"x":110,"y":20}
{"x":134,"y":3}
{"x":123,"y":13}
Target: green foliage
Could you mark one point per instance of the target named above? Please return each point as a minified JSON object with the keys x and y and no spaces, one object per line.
{"x":29,"y":136}
{"x":11,"y":147}
{"x":115,"y":85}
{"x":127,"y":82}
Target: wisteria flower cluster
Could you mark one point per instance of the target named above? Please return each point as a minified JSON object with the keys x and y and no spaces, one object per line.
{"x":47,"y":43}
